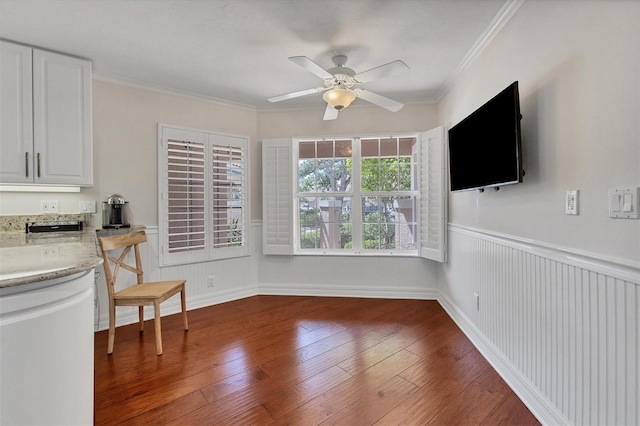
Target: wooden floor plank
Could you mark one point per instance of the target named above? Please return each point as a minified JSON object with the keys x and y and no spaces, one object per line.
{"x":470,"y":407}
{"x":302,"y":360}
{"x":375,"y":404}
{"x":256,"y":415}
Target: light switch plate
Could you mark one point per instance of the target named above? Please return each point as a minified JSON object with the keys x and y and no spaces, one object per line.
{"x":571,"y":202}
{"x":623,"y":203}
{"x":87,"y":206}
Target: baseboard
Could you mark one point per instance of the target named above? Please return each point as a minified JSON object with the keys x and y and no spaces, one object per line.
{"x":543,"y":409}
{"x":172,"y":306}
{"x":345,"y":291}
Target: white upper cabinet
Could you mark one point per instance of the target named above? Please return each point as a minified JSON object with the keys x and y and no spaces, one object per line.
{"x":16,"y":120}
{"x":54,"y":145}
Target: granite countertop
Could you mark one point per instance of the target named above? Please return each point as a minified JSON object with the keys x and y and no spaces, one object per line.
{"x":27,"y":258}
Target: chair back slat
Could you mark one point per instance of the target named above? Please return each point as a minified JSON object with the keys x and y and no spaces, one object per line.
{"x":125,"y":241}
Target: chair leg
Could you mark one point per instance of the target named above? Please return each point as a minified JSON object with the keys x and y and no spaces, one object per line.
{"x":183,"y":299}
{"x":112,"y":326}
{"x":141,"y":317}
{"x":156,"y":309}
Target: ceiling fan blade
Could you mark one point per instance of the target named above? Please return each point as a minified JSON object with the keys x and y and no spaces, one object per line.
{"x":379,"y":100}
{"x":311,"y":66}
{"x":297,"y":94}
{"x":382,"y":71}
{"x":330,"y":113}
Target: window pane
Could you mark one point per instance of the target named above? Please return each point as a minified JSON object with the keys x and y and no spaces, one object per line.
{"x":389,"y":222}
{"x":406,"y":146}
{"x":307,"y":150}
{"x":325,"y":149}
{"x":326,"y":173}
{"x":325,"y":222}
{"x":343,"y":149}
{"x":330,"y":214}
{"x":406,"y":183}
{"x":389,"y":147}
{"x":371,"y":235}
{"x":389,"y":174}
{"x":370,"y":175}
{"x":307,"y":175}
{"x":369,"y":148}
{"x":308,"y":214}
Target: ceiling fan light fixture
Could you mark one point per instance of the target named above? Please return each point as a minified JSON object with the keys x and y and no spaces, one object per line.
{"x":338,"y":98}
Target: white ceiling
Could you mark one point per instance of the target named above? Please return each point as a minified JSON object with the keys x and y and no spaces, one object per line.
{"x":237,"y":50}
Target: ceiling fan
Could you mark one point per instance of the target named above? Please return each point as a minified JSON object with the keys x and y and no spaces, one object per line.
{"x":340,"y":82}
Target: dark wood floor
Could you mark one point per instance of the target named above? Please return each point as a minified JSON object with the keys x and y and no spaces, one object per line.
{"x":302,"y":360}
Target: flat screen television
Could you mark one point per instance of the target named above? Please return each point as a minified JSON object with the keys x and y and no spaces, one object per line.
{"x":485,"y":148}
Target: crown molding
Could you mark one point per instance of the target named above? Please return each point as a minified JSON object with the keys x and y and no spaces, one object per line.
{"x":502,"y":17}
{"x":170,"y":91}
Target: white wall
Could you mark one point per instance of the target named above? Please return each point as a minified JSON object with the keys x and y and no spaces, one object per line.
{"x":578,"y":67}
{"x":559,"y":295}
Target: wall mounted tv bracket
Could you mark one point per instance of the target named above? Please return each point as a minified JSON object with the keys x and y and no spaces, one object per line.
{"x":497,"y":188}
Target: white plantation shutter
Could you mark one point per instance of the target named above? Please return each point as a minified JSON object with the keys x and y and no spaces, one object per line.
{"x":277,"y":196}
{"x":433,"y":195}
{"x":228,"y":190}
{"x":203,"y":202}
{"x":185,"y":196}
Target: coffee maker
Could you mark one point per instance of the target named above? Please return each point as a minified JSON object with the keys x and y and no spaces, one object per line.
{"x":115,"y":212}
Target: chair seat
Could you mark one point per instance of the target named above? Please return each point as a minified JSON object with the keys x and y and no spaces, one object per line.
{"x":149,"y":291}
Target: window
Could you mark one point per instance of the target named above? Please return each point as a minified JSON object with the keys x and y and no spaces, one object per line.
{"x":376,"y":214}
{"x":355,"y":196}
{"x":203,"y":200}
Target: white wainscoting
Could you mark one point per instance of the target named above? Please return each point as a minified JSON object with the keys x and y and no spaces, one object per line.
{"x":233,"y":279}
{"x":381,"y":277}
{"x":562,"y":327}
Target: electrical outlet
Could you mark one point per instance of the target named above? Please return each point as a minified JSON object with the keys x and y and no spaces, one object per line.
{"x":211,"y":281}
{"x":49,"y":206}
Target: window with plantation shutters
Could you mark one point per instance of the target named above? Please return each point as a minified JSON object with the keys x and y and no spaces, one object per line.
{"x":373,"y":195}
{"x":203,"y":202}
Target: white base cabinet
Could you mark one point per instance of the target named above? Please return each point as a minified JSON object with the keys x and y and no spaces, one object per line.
{"x":46,"y":362}
{"x":45,"y":117}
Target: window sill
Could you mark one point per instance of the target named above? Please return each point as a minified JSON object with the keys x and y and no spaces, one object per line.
{"x":406,"y":253}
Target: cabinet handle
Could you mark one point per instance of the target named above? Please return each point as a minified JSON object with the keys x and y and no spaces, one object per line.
{"x":38,"y":164}
{"x":26,"y":163}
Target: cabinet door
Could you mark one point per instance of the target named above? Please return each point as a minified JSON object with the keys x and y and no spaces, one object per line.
{"x":16,"y":134}
{"x":62,"y":139}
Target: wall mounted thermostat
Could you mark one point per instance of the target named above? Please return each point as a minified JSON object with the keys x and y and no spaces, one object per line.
{"x":571,"y":202}
{"x":623,"y":203}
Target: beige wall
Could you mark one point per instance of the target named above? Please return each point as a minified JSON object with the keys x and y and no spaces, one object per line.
{"x":125,"y":128}
{"x":578,"y":64}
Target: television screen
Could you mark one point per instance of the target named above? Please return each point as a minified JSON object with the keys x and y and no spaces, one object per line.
{"x":484,"y":148}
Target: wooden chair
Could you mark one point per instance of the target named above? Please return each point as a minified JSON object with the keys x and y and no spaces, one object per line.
{"x":141,"y":294}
